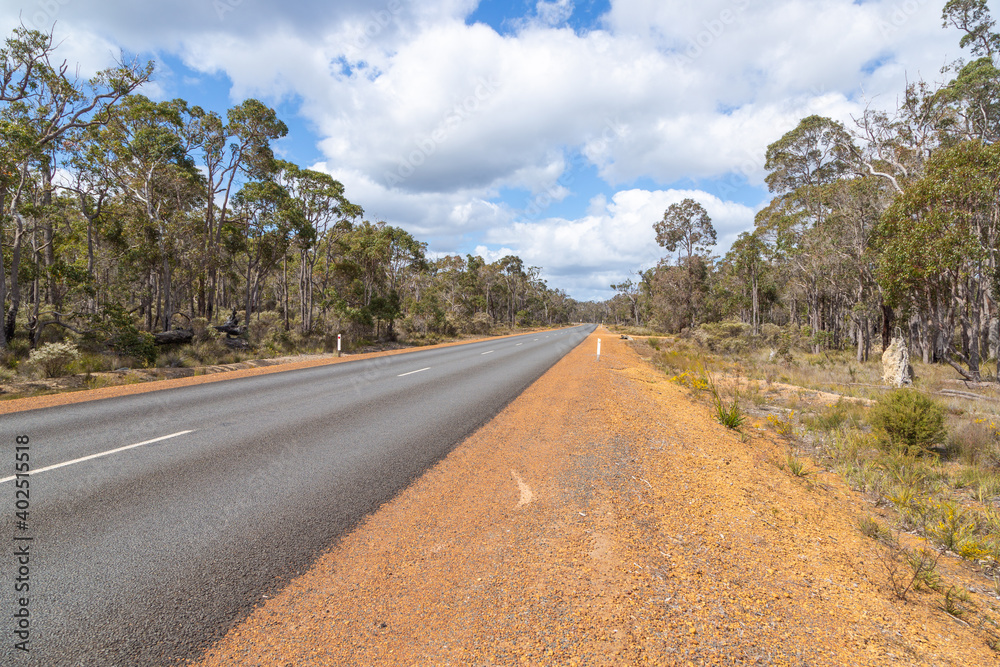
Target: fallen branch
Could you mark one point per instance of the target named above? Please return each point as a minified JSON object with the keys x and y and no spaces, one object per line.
{"x":954,"y":393}
{"x":175,"y":336}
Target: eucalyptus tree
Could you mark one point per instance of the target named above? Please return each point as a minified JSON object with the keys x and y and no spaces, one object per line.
{"x":973,"y":18}
{"x":146,"y":152}
{"x":804,"y":165}
{"x":893,"y":145}
{"x":230,"y":153}
{"x":265,"y":219}
{"x":748,"y":264}
{"x":475,"y":286}
{"x":629,"y":291}
{"x":686,"y":228}
{"x":41,"y":103}
{"x":936,"y":249}
{"x":856,"y":207}
{"x":380,"y":262}
{"x":515,"y":280}
{"x":449,"y":272}
{"x":323,"y":205}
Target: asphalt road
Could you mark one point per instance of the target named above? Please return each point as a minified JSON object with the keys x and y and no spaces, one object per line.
{"x":145,"y":555}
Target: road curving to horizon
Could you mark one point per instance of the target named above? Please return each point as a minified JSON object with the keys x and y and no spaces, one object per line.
{"x":158,"y":520}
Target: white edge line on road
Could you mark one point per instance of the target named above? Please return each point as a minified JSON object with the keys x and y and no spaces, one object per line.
{"x":519,"y":344}
{"x":412,"y":372}
{"x":100,"y":454}
{"x":490,"y":352}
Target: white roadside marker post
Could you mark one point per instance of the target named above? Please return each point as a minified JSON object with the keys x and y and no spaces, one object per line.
{"x":598,"y":349}
{"x":338,"y":345}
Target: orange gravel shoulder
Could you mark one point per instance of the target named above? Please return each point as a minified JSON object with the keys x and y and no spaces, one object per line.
{"x":603,"y":518}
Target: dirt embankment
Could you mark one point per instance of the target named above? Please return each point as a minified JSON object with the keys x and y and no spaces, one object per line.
{"x":604,"y":519}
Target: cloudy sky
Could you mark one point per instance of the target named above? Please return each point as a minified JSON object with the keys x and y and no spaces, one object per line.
{"x":557,"y":130}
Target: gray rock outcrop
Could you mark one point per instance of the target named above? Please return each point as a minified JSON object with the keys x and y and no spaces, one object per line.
{"x":896,"y":369}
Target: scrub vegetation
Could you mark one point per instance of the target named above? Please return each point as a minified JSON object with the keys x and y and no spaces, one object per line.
{"x":926,"y":458}
{"x":147,"y":233}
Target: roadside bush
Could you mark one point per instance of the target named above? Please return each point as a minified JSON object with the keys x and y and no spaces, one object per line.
{"x":908,"y":419}
{"x":725,"y":337}
{"x":785,"y":346}
{"x":480,"y":324}
{"x":262,"y":323}
{"x":53,"y":359}
{"x":124,"y":337}
{"x":770,"y":333}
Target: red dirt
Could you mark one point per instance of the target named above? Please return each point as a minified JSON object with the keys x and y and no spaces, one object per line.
{"x":603,"y":518}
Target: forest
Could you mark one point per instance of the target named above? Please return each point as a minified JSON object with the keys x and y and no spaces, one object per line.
{"x":128,"y":224}
{"x":885,"y":226}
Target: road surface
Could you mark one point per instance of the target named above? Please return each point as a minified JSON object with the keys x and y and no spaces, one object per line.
{"x":156,"y":521}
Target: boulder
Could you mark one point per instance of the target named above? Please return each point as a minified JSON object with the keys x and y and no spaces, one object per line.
{"x":896,"y":369}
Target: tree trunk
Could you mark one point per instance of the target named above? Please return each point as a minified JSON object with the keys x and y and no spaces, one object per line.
{"x":284,"y":287}
{"x":3,"y":274}
{"x":167,"y":288}
{"x":49,"y":253}
{"x":887,"y":320}
{"x":15,"y":284}
{"x":175,"y":336}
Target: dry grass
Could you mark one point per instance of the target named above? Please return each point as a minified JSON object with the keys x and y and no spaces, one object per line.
{"x":819,"y":403}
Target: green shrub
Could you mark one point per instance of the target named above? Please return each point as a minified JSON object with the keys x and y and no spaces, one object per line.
{"x":785,"y":346}
{"x":124,"y":337}
{"x":729,"y":415}
{"x":770,"y":333}
{"x":906,"y":418}
{"x":869,"y":527}
{"x":53,"y":359}
{"x":724,"y":337}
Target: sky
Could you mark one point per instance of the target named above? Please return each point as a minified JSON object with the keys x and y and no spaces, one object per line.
{"x":556,"y":130}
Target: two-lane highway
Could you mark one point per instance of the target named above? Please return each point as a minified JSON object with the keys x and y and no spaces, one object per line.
{"x":160,"y":519}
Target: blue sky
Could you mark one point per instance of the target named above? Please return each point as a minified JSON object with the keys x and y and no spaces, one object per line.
{"x":557,"y":130}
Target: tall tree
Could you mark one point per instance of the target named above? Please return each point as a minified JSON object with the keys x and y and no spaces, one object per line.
{"x":40,"y":104}
{"x":937,"y":251}
{"x":802,"y":166}
{"x":264,"y":222}
{"x":686,"y":228}
{"x":322,"y":202}
{"x":149,"y":157}
{"x":231,"y":153}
